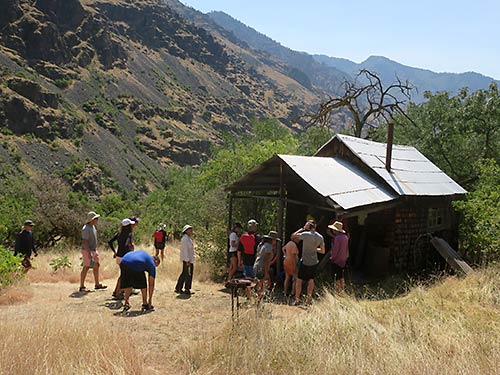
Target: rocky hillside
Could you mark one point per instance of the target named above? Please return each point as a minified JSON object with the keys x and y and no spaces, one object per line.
{"x":108,"y":93}
{"x":326,"y":72}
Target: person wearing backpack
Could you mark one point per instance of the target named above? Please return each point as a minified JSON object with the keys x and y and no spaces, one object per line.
{"x":249,"y":242}
{"x":160,"y":238}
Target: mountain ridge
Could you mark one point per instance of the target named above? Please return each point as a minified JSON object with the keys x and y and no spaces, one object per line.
{"x":388,"y":70}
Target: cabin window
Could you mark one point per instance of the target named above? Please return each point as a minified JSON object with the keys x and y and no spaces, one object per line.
{"x":436,"y":218}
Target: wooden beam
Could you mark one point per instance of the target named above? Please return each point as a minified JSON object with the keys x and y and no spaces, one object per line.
{"x":451,"y":256}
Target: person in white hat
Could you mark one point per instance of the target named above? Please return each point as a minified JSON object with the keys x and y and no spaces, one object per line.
{"x":160,"y":239}
{"x":187,"y":258}
{"x":89,"y":251}
{"x":339,"y":254}
{"x":125,"y":241}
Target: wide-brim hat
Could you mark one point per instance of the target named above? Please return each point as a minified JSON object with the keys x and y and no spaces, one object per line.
{"x":273,"y":235}
{"x":91,"y":216}
{"x":337,"y":227}
{"x":186,"y":227}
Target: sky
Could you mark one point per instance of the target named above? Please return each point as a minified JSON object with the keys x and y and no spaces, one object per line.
{"x":440,"y":35}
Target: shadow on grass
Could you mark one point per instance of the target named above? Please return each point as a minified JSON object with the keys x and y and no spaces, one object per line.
{"x":80,"y":294}
{"x":131,"y":314}
{"x":114,"y":305}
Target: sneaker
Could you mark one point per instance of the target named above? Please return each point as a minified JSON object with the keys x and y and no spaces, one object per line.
{"x":296,"y":302}
{"x":188,"y":292}
{"x":134,"y":292}
{"x":178,"y":291}
{"x":83,"y":289}
{"x":126,"y":307}
{"x":100,"y":286}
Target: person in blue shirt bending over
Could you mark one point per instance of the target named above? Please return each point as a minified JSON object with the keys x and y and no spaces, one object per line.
{"x":133,"y":266}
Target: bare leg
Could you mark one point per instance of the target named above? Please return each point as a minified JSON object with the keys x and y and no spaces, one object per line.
{"x":162,"y":253}
{"x":285,"y":284}
{"x":144,"y":294}
{"x":96,"y":273}
{"x":310,"y":288}
{"x":83,"y":275}
{"x":117,"y":287}
{"x":127,"y":292}
{"x":232,"y":268}
{"x":298,"y":290}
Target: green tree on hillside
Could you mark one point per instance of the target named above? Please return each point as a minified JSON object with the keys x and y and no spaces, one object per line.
{"x":455,"y":132}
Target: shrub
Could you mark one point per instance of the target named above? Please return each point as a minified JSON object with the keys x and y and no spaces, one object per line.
{"x":480,"y":228}
{"x":10,"y":267}
{"x":61,"y":262}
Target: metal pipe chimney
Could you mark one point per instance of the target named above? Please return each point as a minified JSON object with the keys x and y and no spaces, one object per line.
{"x":388,"y":154}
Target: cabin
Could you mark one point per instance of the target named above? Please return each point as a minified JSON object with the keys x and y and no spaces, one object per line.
{"x":390,"y":199}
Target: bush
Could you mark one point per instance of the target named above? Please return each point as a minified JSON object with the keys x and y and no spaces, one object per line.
{"x":480,"y":228}
{"x":10,"y":267}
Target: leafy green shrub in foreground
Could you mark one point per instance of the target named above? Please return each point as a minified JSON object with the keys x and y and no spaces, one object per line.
{"x":10,"y":267}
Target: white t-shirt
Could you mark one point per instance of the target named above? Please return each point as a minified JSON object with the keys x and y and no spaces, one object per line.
{"x":233,"y":237}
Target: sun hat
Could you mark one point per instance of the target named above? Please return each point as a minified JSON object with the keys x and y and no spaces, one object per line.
{"x":91,"y":216}
{"x":126,"y":222}
{"x":337,"y":226}
{"x":29,"y":223}
{"x":186,"y":227}
{"x":252,"y":222}
{"x":272,"y":235}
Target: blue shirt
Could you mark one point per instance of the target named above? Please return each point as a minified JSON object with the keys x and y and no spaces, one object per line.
{"x":140,"y":261}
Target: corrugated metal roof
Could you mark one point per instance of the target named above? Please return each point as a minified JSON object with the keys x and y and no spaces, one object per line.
{"x":411,"y":172}
{"x":338,"y":180}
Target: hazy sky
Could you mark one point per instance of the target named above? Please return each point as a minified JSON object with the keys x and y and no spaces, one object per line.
{"x":440,"y":35}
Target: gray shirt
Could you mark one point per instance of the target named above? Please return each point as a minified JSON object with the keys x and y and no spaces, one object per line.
{"x":311,"y":240}
{"x":89,"y":233}
{"x":265,"y":248}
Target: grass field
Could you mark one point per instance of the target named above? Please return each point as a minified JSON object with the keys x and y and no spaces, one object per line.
{"x":450,"y":327}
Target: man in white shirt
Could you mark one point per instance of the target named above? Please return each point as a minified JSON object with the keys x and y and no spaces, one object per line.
{"x":187,"y":259}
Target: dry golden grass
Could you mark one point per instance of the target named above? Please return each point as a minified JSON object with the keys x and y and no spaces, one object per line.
{"x":450,"y":328}
{"x":15,"y":294}
{"x":58,"y":343}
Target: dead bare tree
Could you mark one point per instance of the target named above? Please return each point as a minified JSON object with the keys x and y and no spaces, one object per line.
{"x":367,"y":100}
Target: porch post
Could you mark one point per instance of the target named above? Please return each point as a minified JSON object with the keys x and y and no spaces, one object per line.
{"x":230,"y":216}
{"x":281,"y":210}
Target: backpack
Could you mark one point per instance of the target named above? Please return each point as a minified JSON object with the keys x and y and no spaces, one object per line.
{"x":158,"y":236}
{"x":248,"y":242}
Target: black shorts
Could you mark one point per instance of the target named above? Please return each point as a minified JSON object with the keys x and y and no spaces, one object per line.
{"x":337,"y":272}
{"x":159,"y":245}
{"x":307,"y":272}
{"x":132,"y":279}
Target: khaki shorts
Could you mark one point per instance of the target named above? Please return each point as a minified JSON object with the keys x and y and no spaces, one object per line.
{"x":89,"y":257}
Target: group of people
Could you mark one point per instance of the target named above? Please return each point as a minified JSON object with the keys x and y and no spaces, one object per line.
{"x":256,"y":255}
{"x":249,"y":252}
{"x":133,"y":264}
